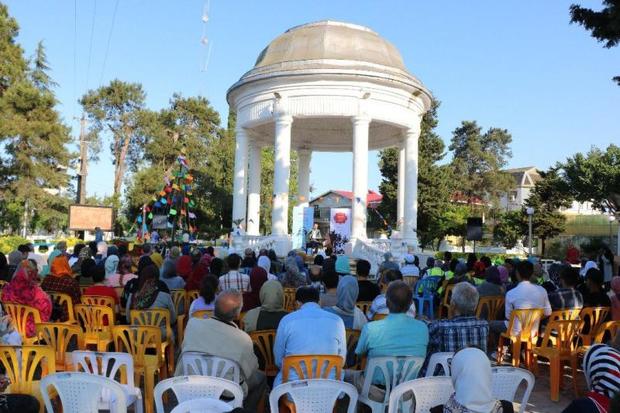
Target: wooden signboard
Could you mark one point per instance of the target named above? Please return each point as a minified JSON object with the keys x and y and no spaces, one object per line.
{"x":87,"y":218}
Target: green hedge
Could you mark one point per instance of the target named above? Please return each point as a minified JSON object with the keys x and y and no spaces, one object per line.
{"x":9,"y":243}
{"x":463,"y":255}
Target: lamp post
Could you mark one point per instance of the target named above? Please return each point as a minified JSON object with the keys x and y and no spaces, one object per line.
{"x":611,"y":221}
{"x":530,"y":212}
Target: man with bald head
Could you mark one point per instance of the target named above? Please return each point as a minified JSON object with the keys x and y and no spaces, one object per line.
{"x":219,"y":336}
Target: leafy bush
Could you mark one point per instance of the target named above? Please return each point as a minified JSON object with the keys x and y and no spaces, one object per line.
{"x":464,"y":255}
{"x":9,"y":243}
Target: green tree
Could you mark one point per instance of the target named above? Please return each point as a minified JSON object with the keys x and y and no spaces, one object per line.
{"x":40,"y":67}
{"x":594,"y":177}
{"x":13,"y":65}
{"x":114,"y":112}
{"x":604,"y":24}
{"x":478,"y":159}
{"x":435,"y":183}
{"x":509,"y":228}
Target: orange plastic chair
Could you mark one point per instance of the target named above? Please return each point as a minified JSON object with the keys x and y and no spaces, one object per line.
{"x":137,"y":341}
{"x":528,"y":320}
{"x":489,"y":307}
{"x":559,"y":346}
{"x":21,"y":314}
{"x":25,"y":363}
{"x":97,"y":322}
{"x":591,"y":320}
{"x":179,"y":299}
{"x":607,"y":331}
{"x":2,"y":284}
{"x":190,"y":296}
{"x":60,"y":337}
{"x":157,"y":317}
{"x":202,"y":314}
{"x":263,"y":345}
{"x":353,"y":336}
{"x":98,"y":300}
{"x":181,"y":322}
{"x":289,"y":299}
{"x":565,"y":314}
{"x":312,"y":366}
{"x":378,"y":316}
{"x":363,"y":305}
{"x":444,"y":308}
{"x":66,"y":302}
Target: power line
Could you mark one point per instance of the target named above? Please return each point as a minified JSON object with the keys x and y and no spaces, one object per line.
{"x":107,"y":50}
{"x":74,"y":56}
{"x":90,"y":48}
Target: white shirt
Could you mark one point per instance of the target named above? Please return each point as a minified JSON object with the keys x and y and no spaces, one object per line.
{"x":410,"y":270}
{"x":523,"y":296}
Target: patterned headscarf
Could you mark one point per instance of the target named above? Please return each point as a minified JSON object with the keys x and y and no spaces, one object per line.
{"x":21,"y":288}
{"x":601,"y":366}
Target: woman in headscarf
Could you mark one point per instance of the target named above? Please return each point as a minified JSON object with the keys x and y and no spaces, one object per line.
{"x":276,"y":266}
{"x":184,"y":266}
{"x":15,"y":258}
{"x":265,"y":263}
{"x":343,"y":266}
{"x":132,"y":286}
{"x":61,"y":279}
{"x":102,"y":252}
{"x":149,"y":295}
{"x":251,"y":299}
{"x":601,"y":366}
{"x":157,"y":259}
{"x":347,"y":293}
{"x":206,"y":300}
{"x":24,"y":289}
{"x":504,"y":276}
{"x":292,"y":277}
{"x":492,"y":285}
{"x":123,"y":273}
{"x":111,"y":265}
{"x":169,"y":276}
{"x":83,"y":255}
{"x":473,"y":389}
{"x":271,"y":311}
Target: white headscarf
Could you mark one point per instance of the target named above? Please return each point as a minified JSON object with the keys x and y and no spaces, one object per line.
{"x":102,"y":249}
{"x":264,"y":262}
{"x":587,"y":267}
{"x":471,"y":376}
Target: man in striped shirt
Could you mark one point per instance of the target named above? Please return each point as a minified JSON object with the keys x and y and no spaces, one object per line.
{"x":234,"y":280}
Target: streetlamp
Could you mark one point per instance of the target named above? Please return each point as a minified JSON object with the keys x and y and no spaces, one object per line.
{"x":530,"y":212}
{"x":611,"y":221}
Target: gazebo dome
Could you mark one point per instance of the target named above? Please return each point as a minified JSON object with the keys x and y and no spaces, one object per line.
{"x":330,"y":40}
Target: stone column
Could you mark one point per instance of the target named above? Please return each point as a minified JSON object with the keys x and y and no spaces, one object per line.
{"x":281,"y":171}
{"x":254,"y":189}
{"x":400,"y":202}
{"x":360,"y":176}
{"x":303,"y":174}
{"x":410,"y":224}
{"x":239,"y":179}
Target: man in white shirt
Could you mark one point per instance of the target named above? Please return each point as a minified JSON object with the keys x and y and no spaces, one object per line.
{"x":309,"y":330}
{"x":524,"y":296}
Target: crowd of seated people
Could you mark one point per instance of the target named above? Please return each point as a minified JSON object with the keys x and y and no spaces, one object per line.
{"x":246,"y":294}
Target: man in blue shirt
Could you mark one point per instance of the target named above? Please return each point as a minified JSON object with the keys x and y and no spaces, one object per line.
{"x":396,"y":335}
{"x":309,"y":330}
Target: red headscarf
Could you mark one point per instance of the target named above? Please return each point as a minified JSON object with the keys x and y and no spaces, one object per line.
{"x":258,"y":277}
{"x":184,"y":266}
{"x":195,"y":279}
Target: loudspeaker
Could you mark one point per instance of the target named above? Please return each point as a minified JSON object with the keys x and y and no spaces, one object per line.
{"x":474,"y":229}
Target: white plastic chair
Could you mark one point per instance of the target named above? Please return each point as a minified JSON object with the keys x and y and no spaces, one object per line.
{"x":439,"y":359}
{"x":80,"y":393}
{"x":196,"y":387}
{"x":109,"y":365}
{"x":312,"y":396}
{"x":203,"y":405}
{"x":395,"y":371}
{"x":428,"y":392}
{"x":506,"y":382}
{"x":201,"y":364}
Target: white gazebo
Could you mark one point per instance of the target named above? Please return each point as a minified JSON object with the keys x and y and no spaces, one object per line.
{"x":325,"y":86}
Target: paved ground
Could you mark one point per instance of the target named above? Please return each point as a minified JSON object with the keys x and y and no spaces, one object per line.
{"x":540,"y":400}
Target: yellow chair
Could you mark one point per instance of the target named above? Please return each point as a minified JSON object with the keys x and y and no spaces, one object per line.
{"x":2,"y":284}
{"x":190,"y":296}
{"x":558,"y":346}
{"x":489,"y":307}
{"x":21,"y":315}
{"x":181,"y":322}
{"x":202,"y":314}
{"x":289,"y":299}
{"x":98,"y":300}
{"x":157,"y":317}
{"x":353,"y":336}
{"x":97,"y":322}
{"x":263,"y":344}
{"x":137,"y":341}
{"x":566,"y":314}
{"x":65,"y":301}
{"x":607,"y":331}
{"x":311,"y":366}
{"x":22,"y":364}
{"x":363,"y":305}
{"x":179,"y":299}
{"x":378,"y":316}
{"x":60,"y":336}
{"x":528,"y":320}
{"x":591,"y":320}
{"x":444,"y":308}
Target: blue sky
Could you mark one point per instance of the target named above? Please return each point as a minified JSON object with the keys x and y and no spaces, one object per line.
{"x":513,"y":64}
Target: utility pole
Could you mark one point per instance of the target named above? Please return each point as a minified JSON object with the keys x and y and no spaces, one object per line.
{"x":81,"y":190}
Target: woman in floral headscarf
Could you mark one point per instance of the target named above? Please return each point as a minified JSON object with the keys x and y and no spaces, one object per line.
{"x":24,"y":289}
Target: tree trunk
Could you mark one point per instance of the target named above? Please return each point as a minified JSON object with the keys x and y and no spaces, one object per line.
{"x":542,"y":247}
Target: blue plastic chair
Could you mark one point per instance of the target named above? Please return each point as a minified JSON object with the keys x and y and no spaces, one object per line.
{"x":424,"y":292}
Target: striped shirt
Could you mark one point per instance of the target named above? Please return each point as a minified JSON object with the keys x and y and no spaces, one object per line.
{"x":565,"y":298}
{"x":234,"y":280}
